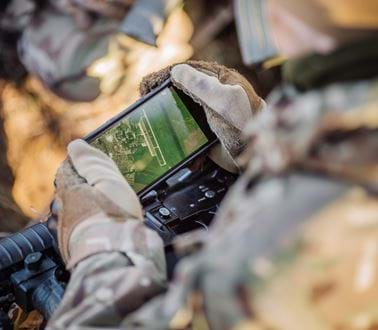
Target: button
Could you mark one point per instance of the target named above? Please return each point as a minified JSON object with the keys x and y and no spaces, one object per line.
{"x":164,"y":212}
{"x":33,"y":261}
{"x":209,"y":194}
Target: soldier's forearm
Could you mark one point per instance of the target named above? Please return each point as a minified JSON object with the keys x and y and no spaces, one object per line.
{"x":123,"y":266}
{"x":107,"y":287}
{"x":99,"y":234}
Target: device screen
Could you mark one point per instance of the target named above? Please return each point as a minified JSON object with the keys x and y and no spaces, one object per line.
{"x":152,"y":139}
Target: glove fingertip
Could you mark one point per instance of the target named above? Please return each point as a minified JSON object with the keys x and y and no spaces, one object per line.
{"x":76,"y":147}
{"x":180,"y":72}
{"x":79,"y":151}
{"x":193,"y":81}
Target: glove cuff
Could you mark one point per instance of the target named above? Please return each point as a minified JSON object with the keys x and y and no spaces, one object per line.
{"x":99,"y":234}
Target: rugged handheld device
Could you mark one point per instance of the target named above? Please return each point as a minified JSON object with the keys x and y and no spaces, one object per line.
{"x":160,"y":145}
{"x":155,"y":137}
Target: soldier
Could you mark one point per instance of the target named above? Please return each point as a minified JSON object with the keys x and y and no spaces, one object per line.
{"x":295,"y":244}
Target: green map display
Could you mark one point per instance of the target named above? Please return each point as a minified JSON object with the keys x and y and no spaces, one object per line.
{"x":152,"y":139}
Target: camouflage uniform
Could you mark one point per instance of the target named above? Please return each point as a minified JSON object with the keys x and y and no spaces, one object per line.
{"x":294,"y":245}
{"x":61,"y":39}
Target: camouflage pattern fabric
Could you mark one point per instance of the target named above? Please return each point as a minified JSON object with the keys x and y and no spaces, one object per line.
{"x":63,"y":69}
{"x":293,"y":247}
{"x":57,"y":45}
{"x":60,"y":39}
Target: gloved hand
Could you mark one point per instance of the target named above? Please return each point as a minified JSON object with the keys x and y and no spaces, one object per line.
{"x":93,"y":201}
{"x":227,"y":97}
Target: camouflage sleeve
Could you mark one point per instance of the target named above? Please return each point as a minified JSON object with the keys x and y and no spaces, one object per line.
{"x":115,"y":282}
{"x":104,"y":289}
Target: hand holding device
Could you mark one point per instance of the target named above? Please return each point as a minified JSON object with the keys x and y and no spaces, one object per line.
{"x":90,"y":192}
{"x":227,"y":98}
{"x":97,"y":211}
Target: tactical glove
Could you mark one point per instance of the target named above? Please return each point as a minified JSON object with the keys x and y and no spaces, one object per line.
{"x":94,"y":201}
{"x":227,"y":97}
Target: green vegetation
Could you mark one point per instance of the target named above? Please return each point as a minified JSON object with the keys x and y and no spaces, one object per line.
{"x":152,"y":139}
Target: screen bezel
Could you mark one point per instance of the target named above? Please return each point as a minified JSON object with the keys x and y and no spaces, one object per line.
{"x":195,"y":110}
